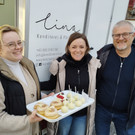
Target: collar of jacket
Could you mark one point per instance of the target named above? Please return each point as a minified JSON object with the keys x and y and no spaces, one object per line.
{"x":70,"y":61}
{"x":108,"y":47}
{"x":4,"y":69}
{"x":105,"y":48}
{"x":28,"y":64}
{"x":57,"y":66}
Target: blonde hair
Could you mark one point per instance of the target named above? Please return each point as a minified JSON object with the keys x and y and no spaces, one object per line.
{"x":7,"y":28}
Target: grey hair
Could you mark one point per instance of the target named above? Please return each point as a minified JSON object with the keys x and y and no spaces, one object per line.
{"x":124,"y":22}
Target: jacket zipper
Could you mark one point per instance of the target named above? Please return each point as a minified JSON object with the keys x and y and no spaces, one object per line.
{"x":118,"y":79}
{"x":78,"y":72}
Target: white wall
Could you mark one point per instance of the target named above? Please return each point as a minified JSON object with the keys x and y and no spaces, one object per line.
{"x":21,"y":17}
{"x":119,"y":13}
{"x":98,"y":23}
{"x":102,"y":16}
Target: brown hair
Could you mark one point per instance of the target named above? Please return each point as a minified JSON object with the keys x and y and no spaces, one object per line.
{"x":75,"y":36}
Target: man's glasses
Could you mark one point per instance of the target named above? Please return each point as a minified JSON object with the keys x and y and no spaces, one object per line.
{"x":124,"y":35}
{"x":13,"y":45}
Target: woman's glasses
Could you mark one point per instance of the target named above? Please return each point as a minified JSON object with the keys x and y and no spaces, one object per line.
{"x":13,"y":45}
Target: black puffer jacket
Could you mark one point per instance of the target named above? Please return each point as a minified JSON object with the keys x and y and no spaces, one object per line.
{"x":14,"y":96}
{"x":77,"y":77}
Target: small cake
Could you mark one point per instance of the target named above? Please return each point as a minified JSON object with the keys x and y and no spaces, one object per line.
{"x":71,"y":106}
{"x":76,"y":96}
{"x":39,"y":104}
{"x":69,"y":95}
{"x":71,"y":99}
{"x":40,"y":107}
{"x":65,"y":102}
{"x":78,"y":103}
{"x":64,"y":109}
{"x":41,"y":110}
{"x":51,"y":112}
{"x":61,"y":96}
{"x":57,"y":104}
{"x":82,"y":99}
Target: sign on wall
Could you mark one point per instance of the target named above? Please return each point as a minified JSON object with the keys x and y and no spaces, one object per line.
{"x":48,"y":26}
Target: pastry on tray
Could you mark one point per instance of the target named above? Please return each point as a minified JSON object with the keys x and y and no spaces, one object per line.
{"x":51,"y":112}
{"x":64,"y":109}
{"x":61,"y":96}
{"x":40,"y":107}
{"x":57,"y":104}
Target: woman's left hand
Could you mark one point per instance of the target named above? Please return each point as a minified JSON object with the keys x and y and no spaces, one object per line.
{"x":34,"y":118}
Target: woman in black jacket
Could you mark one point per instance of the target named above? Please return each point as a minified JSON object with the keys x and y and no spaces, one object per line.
{"x":75,"y":70}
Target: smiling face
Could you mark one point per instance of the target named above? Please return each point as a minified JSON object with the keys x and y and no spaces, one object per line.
{"x":11,"y":54}
{"x":77,"y":49}
{"x":123,"y":43}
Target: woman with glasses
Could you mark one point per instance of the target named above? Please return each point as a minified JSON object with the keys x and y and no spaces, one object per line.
{"x":19,"y":86}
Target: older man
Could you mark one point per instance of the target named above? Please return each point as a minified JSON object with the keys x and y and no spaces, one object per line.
{"x":116,"y":82}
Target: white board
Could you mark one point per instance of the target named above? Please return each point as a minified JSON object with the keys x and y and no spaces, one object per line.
{"x":48,"y":26}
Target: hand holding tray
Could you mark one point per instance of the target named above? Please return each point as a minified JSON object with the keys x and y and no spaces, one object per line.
{"x":48,"y":100}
